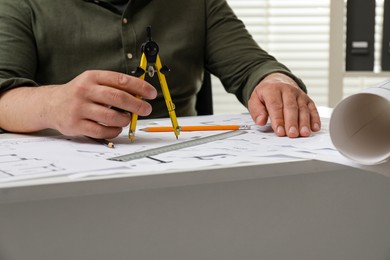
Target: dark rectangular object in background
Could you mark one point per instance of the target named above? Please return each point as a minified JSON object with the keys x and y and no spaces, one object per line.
{"x":385,"y":64}
{"x":360,"y":35}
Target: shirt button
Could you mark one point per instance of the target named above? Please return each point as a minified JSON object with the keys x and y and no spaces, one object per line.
{"x":129,"y":56}
{"x":124,"y":21}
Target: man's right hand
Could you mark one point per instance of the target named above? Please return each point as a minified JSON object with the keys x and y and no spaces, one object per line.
{"x":79,"y":107}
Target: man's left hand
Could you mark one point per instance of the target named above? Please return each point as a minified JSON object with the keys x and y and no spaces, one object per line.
{"x":288,"y":107}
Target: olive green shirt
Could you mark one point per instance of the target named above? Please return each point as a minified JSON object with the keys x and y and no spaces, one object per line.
{"x":46,"y":42}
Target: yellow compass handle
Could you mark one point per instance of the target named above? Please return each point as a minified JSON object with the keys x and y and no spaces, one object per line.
{"x":134,"y":116}
{"x":167,"y":97}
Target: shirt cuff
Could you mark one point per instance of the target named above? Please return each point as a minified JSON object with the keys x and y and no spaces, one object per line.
{"x":10,"y":83}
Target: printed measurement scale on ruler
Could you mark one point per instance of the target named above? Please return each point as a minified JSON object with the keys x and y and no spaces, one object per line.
{"x":173,"y":147}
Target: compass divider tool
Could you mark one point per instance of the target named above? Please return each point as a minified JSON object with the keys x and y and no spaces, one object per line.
{"x":151,"y":63}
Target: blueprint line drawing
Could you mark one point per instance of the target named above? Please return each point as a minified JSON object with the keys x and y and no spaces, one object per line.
{"x":79,"y":157}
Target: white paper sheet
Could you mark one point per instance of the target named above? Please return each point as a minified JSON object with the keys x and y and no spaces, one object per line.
{"x":77,"y":157}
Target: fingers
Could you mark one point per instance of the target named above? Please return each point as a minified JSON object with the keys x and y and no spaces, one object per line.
{"x":125,"y":83}
{"x":291,"y":114}
{"x":120,"y":99}
{"x":269,"y":104}
{"x":315,"y":119}
{"x":116,"y":90}
{"x":96,"y":130}
{"x":257,"y":110}
{"x":300,"y":115}
{"x":304,"y":119}
{"x":106,"y":116}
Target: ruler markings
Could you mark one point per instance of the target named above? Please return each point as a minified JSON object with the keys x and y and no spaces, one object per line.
{"x":173,"y":147}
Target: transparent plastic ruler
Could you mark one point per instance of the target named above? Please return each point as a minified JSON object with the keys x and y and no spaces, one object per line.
{"x":173,"y":147}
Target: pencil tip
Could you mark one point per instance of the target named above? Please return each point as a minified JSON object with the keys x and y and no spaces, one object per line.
{"x":131,"y":135}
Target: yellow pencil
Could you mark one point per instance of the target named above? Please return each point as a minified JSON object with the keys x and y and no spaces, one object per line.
{"x":188,"y":128}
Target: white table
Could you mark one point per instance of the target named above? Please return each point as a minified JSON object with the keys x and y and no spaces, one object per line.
{"x":297,"y":209}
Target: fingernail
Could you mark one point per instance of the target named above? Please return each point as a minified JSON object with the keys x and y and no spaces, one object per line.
{"x":305,"y":131}
{"x":152,"y":94}
{"x":316,"y":127}
{"x":259,"y":119}
{"x":148,"y":110}
{"x":280,"y":130}
{"x":293,"y":130}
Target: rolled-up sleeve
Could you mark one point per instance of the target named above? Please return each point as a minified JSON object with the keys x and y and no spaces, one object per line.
{"x":234,"y":56}
{"x":17,"y":46}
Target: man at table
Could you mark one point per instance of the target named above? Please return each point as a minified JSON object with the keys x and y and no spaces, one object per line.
{"x":63,"y":64}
